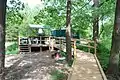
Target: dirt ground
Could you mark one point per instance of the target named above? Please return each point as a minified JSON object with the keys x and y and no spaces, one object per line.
{"x":31,"y":66}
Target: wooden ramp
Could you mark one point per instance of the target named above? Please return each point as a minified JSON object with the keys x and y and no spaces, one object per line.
{"x":85,"y":67}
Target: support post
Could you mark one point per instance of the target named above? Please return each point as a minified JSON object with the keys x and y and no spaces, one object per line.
{"x":60,"y":44}
{"x":40,"y":43}
{"x":18,"y":44}
{"x":95,"y":45}
{"x":89,"y":47}
{"x":49,"y":42}
{"x":75,"y":55}
{"x":52,"y":45}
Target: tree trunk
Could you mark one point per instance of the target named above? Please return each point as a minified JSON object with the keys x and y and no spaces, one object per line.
{"x":2,"y":37}
{"x":113,"y":68}
{"x":68,"y":31}
{"x":95,"y":21}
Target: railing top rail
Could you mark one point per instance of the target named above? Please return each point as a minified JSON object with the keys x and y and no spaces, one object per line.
{"x":73,"y":39}
{"x":87,"y":40}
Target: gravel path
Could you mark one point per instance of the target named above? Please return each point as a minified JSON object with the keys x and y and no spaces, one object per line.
{"x":32,"y":66}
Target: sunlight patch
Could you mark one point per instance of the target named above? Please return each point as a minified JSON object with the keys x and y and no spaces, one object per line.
{"x":24,"y":62}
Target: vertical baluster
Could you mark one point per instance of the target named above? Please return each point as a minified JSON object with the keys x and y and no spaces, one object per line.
{"x":29,"y":44}
{"x":49,"y":42}
{"x":60,"y":41}
{"x":95,"y":45}
{"x":89,"y":46}
{"x":19,"y":44}
{"x":40,"y":43}
{"x":75,"y":55}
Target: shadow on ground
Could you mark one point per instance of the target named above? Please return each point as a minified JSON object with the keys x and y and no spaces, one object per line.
{"x":30,"y":66}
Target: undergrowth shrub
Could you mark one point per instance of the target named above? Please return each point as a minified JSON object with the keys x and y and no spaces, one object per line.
{"x":103,"y":53}
{"x":12,"y":49}
{"x":82,"y":48}
{"x":64,"y":54}
{"x":58,"y":75}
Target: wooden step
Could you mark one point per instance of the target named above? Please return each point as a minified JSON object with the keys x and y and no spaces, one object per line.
{"x":23,"y":45}
{"x":24,"y":50}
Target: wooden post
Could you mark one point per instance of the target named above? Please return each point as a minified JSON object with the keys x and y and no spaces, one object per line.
{"x":29,"y":45}
{"x":40,"y":43}
{"x":60,"y":44}
{"x":52,"y":45}
{"x":18,"y":40}
{"x":89,"y":47}
{"x":49,"y":42}
{"x":75,"y":55}
{"x":18,"y":44}
{"x":95,"y":47}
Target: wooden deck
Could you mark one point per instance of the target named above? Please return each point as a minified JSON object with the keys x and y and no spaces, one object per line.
{"x":85,"y":67}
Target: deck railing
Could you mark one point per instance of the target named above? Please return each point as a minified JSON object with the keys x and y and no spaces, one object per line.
{"x":61,"y":41}
{"x":25,"y":43}
{"x":74,"y":43}
{"x":87,"y":43}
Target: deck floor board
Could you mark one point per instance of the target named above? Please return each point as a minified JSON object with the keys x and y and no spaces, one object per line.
{"x":85,"y":67}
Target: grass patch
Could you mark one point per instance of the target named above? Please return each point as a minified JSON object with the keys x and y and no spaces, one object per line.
{"x":64,"y":54}
{"x":12,"y":49}
{"x":70,"y":63}
{"x":58,"y":75}
{"x":103,"y":53}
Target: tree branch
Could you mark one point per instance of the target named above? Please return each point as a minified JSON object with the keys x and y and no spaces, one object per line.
{"x":101,"y":30}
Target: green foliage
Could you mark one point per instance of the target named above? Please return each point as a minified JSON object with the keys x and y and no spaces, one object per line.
{"x":82,"y":48}
{"x":12,"y":33}
{"x":19,"y":16}
{"x":103,"y":53}
{"x":12,"y":49}
{"x":13,"y":12}
{"x":70,"y":63}
{"x":57,"y":75}
{"x":62,"y":53}
{"x":54,"y":15}
{"x":13,"y":18}
{"x":51,"y":16}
